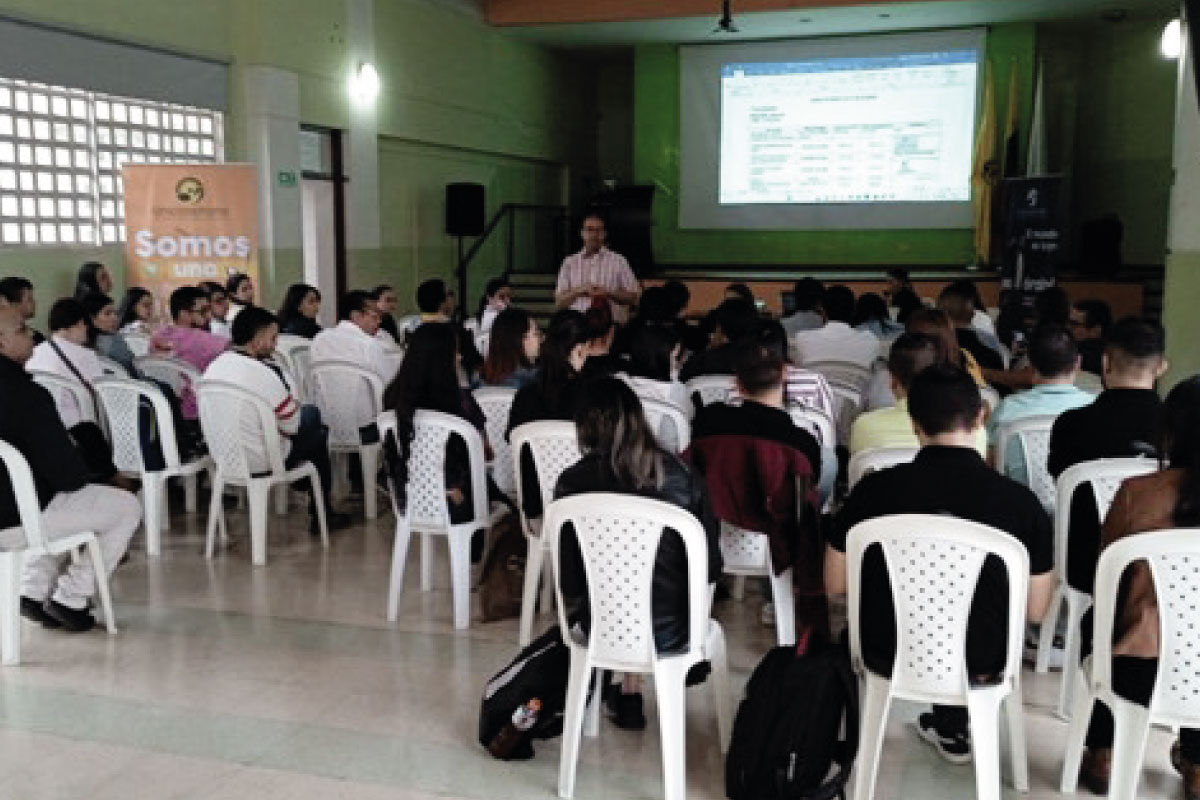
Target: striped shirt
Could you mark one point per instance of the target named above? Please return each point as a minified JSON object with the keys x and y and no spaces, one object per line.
{"x":603,"y":268}
{"x":806,"y":388}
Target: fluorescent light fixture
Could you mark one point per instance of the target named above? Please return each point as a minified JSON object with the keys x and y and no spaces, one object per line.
{"x":1172,"y":40}
{"x":364,"y":86}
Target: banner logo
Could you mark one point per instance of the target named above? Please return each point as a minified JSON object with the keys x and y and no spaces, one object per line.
{"x":189,"y":190}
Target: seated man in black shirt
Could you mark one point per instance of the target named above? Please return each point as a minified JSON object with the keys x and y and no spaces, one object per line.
{"x":947,"y":477}
{"x":1122,"y":421}
{"x":1090,"y":321}
{"x":734,"y":320}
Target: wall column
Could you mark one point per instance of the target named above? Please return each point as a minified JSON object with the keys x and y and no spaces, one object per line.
{"x":362,"y":152}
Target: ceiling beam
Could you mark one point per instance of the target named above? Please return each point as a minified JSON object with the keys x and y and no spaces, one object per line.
{"x":546,"y":12}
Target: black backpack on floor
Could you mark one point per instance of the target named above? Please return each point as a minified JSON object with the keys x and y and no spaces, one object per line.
{"x":540,"y":670}
{"x":786,"y":734}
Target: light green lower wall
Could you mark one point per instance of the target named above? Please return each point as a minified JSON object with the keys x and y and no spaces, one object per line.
{"x":52,"y":270}
{"x":1181,"y":299}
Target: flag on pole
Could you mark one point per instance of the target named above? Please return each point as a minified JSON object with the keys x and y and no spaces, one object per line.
{"x":1012,"y":130}
{"x":1036,"y":158}
{"x":984,"y":170}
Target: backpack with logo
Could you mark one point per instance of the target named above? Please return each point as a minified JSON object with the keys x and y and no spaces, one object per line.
{"x":539,"y":671}
{"x":787,"y":733}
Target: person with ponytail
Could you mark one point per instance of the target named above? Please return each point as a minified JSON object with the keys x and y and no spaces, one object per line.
{"x":1169,"y":498}
{"x":621,"y":455}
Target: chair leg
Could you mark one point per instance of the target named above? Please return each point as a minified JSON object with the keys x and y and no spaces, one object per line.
{"x":152,"y":498}
{"x":1046,"y":635}
{"x":399,"y":557}
{"x":1081,"y":714}
{"x":281,"y":499}
{"x":216,"y":513}
{"x":1014,"y":711}
{"x":784,"y":597}
{"x":164,"y":517}
{"x":315,"y":481}
{"x":426,"y":562}
{"x":100,"y":570}
{"x":533,"y":572}
{"x":547,"y":601}
{"x":190,"y":492}
{"x":370,"y":467}
{"x":460,"y":578}
{"x":577,"y":682}
{"x":737,"y":590}
{"x":669,"y":686}
{"x":591,"y":721}
{"x":875,"y":701}
{"x":1132,"y":726}
{"x":10,"y":608}
{"x":983,"y":709}
{"x":1077,"y":606}
{"x":722,"y":696}
{"x":259,"y":503}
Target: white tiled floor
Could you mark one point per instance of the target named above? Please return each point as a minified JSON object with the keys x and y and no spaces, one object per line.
{"x":228,"y":681}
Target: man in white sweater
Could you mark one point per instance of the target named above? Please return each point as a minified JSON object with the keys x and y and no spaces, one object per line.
{"x":302,"y":435}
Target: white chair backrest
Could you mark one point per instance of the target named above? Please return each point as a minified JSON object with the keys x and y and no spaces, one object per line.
{"x":24,"y":491}
{"x":482,"y":341}
{"x":496,"y":403}
{"x":1174,"y":560}
{"x":744,"y":551}
{"x":111,"y":367}
{"x":554,"y":446}
{"x":618,"y":536}
{"x":172,"y":371}
{"x":1105,"y":476}
{"x":815,"y":422}
{"x":712,"y":388}
{"x":670,"y":424}
{"x":59,"y":386}
{"x":121,"y":398}
{"x":1033,"y":435}
{"x":425,"y":494}
{"x":865,"y":462}
{"x":934,"y":564}
{"x":138,"y":343}
{"x":240,"y":430}
{"x":296,"y":352}
{"x":337,"y":388}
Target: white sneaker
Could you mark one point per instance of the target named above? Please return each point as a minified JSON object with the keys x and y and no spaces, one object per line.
{"x":767,"y":615}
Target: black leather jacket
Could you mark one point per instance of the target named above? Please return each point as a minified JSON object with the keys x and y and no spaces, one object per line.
{"x":669,"y":595}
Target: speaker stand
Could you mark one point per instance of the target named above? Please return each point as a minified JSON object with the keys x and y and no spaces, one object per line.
{"x":461,"y":273}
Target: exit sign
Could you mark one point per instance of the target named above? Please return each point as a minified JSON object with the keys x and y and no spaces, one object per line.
{"x":286,"y":178}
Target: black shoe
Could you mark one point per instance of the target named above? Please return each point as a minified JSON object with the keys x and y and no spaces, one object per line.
{"x":625,"y":710}
{"x":32,"y":610}
{"x":71,"y":619}
{"x":955,"y":749}
{"x":334,"y":520}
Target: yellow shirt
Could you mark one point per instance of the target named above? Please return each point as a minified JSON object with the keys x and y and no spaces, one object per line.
{"x":893,"y":427}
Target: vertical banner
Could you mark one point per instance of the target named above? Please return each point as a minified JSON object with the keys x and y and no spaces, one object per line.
{"x":187,"y":223}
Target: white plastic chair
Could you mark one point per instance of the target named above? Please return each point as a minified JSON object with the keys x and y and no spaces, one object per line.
{"x":426,"y":511}
{"x":1105,"y":476}
{"x":1174,"y":560}
{"x":815,"y":422}
{"x":496,"y":403}
{"x":924,"y":554}
{"x":848,"y":382}
{"x":58,"y":386}
{"x":138,"y":343}
{"x":865,"y":462}
{"x":554,"y":445}
{"x":1033,"y":435}
{"x":111,"y":367}
{"x":296,"y":353}
{"x":482,"y":341}
{"x":711,"y":388}
{"x":336,"y":388}
{"x":618,"y":538}
{"x":121,"y":400}
{"x":174,"y":372}
{"x":241,"y":432}
{"x":28,"y":541}
{"x":748,"y":554}
{"x":669,"y":423}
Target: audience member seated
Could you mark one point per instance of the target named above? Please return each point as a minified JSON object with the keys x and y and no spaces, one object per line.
{"x":1055,"y":361}
{"x":801,"y":387}
{"x":497,"y":296}
{"x":240,"y":291}
{"x":906,"y":303}
{"x":1124,"y":420}
{"x":740,"y":291}
{"x":218,"y":308}
{"x":104,"y":334}
{"x":385,"y":301}
{"x":836,"y":340}
{"x":67,"y":354}
{"x":678,"y":296}
{"x":892,"y":426}
{"x":428,"y":380}
{"x":514,"y":344}
{"x":948,"y":477}
{"x":18,"y":293}
{"x":1089,"y":322}
{"x":136,"y":314}
{"x":189,"y":340}
{"x":809,"y":297}
{"x":653,"y":360}
{"x":302,"y":435}
{"x":935,"y":322}
{"x":733,"y":321}
{"x":298,"y":312}
{"x":1166,"y":499}
{"x":93,"y":278}
{"x":70,"y":499}
{"x":762,"y":473}
{"x":958,"y":301}
{"x":897,"y":281}
{"x":871,"y":314}
{"x":621,"y":454}
{"x":433,"y":301}
{"x":981,"y":321}
{"x":602,"y":330}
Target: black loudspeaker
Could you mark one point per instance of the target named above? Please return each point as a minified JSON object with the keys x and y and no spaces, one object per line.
{"x":464,"y":209}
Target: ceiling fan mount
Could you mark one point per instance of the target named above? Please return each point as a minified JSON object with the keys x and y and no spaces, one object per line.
{"x":725,"y":23}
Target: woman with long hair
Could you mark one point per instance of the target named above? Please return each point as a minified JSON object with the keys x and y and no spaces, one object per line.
{"x":621,"y":454}
{"x":239,"y":288}
{"x":553,"y":393}
{"x":513,"y":349}
{"x":936,"y":323}
{"x":298,"y":312}
{"x":871,"y":314}
{"x":93,"y":278}
{"x":1169,"y":498}
{"x":136,"y":313}
{"x":104,"y":331}
{"x":652,"y":364}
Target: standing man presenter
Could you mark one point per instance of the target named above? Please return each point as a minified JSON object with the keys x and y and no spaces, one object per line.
{"x":596,"y":272}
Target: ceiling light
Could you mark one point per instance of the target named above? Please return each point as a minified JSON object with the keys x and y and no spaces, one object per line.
{"x":1172,"y":40}
{"x":364,"y":86}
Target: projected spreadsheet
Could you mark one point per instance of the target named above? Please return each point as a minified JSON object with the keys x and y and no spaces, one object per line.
{"x":850,"y":130}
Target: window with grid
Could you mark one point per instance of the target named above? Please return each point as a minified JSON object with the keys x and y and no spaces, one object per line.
{"x":61,"y":153}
